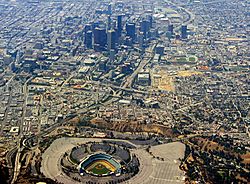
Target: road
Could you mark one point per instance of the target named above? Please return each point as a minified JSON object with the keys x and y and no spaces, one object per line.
{"x":190,"y":19}
{"x":143,"y":63}
{"x":6,"y":113}
{"x":8,"y":104}
{"x":17,"y":165}
{"x":40,"y":121}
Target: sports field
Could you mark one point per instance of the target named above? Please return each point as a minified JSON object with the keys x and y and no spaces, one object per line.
{"x":101,"y":167}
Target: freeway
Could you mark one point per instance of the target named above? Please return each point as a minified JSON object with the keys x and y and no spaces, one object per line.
{"x":8,"y":104}
{"x":191,"y":16}
{"x":17,"y":165}
{"x":10,"y":154}
{"x":40,"y":121}
{"x":120,"y":88}
{"x":6,"y":113}
{"x":143,"y":63}
{"x":213,"y":2}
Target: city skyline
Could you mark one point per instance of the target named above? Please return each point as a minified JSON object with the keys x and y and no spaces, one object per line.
{"x":122,"y":91}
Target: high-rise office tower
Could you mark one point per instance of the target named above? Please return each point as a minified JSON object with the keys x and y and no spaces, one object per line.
{"x":145,"y":27}
{"x":150,"y":19}
{"x":184,"y":31}
{"x":116,"y":35}
{"x":111,"y":35}
{"x":95,"y":25}
{"x":119,"y":25}
{"x":112,"y":55}
{"x":171,"y":29}
{"x":88,"y":27}
{"x":130,"y":29}
{"x":109,"y":9}
{"x":141,"y":40}
{"x":109,"y":22}
{"x":100,"y":38}
{"x":102,"y":65}
{"x":88,"y":39}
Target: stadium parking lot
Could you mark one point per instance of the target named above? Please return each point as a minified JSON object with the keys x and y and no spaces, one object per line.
{"x":159,"y":167}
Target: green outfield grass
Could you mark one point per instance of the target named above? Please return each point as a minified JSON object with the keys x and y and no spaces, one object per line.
{"x":100,"y":169}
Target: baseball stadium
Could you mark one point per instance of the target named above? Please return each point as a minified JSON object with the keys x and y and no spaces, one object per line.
{"x":100,"y":164}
